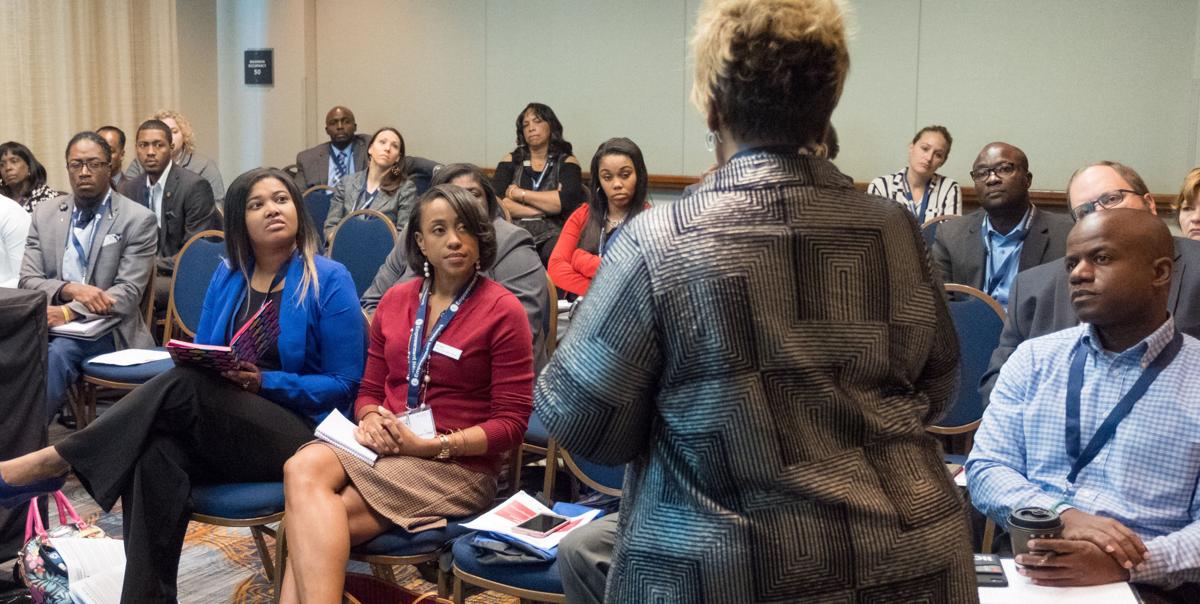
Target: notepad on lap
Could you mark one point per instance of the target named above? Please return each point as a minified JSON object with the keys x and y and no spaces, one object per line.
{"x":248,"y":344}
{"x":339,"y":432}
{"x":86,"y":330}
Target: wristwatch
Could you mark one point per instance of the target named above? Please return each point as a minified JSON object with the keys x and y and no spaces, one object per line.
{"x":445,"y":452}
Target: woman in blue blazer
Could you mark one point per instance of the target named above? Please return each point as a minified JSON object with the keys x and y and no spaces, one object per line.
{"x":192,"y":425}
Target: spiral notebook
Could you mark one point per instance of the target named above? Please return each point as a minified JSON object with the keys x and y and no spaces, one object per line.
{"x":248,"y":344}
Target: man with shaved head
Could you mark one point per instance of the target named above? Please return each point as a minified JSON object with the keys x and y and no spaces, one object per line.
{"x":1099,"y":422}
{"x":1008,"y":234}
{"x":1039,"y":302}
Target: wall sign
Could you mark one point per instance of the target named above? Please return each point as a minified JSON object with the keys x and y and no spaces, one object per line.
{"x":260,"y":66}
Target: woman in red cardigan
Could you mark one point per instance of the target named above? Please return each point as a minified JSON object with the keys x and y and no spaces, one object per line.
{"x":619,"y":185}
{"x":451,"y":352}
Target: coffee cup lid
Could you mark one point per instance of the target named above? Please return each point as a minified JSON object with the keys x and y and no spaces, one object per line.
{"x":1034,"y":518}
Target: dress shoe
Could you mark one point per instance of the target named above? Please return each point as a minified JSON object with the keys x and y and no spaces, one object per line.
{"x":12,"y":496}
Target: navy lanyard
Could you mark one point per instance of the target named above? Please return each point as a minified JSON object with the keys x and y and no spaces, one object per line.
{"x":275,"y":281}
{"x":82,"y":251}
{"x":924,"y":198}
{"x":370,"y":197}
{"x":418,"y":352}
{"x":1080,"y":459}
{"x":998,"y":274}
{"x":537,"y":182}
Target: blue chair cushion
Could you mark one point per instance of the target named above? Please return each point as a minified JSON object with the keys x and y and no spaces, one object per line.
{"x":399,"y":542}
{"x":536,"y":433}
{"x":238,"y":500}
{"x":538,"y":577}
{"x":133,"y":374}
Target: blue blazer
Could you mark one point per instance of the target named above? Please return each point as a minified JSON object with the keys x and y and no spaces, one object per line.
{"x":322,"y":342}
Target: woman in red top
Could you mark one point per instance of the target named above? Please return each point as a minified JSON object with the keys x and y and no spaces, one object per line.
{"x":471,"y":371}
{"x":619,"y":184}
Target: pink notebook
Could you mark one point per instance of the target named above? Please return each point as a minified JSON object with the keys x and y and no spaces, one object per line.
{"x":248,"y":344}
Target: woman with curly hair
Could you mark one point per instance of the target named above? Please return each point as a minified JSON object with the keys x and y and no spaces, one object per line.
{"x":765,"y":355}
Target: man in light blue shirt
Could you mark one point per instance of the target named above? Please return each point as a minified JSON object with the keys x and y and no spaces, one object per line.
{"x":1101,"y":422}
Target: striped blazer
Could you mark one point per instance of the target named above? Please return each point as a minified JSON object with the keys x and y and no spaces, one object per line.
{"x":946,"y":197}
{"x":765,"y":355}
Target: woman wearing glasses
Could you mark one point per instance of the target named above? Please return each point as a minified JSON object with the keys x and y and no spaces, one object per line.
{"x":918,"y":187}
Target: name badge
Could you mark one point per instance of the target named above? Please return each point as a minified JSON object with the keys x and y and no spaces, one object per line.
{"x":420,"y":421}
{"x":448,"y":350}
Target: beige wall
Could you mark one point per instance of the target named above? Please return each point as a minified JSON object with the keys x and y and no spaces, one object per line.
{"x":1070,"y":81}
{"x":197,"y":27}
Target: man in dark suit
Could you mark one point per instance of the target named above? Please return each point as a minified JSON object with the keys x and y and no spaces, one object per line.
{"x":91,"y":253}
{"x":343,"y":155}
{"x":181,"y":200}
{"x":1040,"y":303}
{"x":988,"y":247}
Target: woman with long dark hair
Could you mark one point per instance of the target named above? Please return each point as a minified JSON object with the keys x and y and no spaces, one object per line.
{"x":22,"y":176}
{"x":196,"y":425}
{"x":540,"y":180}
{"x":383,"y":186}
{"x":618,"y":193}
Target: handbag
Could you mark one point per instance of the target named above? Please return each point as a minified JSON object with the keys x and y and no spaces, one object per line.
{"x":373,"y":590}
{"x":42,"y":569}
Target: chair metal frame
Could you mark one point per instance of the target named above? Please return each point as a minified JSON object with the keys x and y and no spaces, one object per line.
{"x":259,"y":527}
{"x":461,"y":576}
{"x":994,"y":305}
{"x":551,"y":344}
{"x":304,"y":196}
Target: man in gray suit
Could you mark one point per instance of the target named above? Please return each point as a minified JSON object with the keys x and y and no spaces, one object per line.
{"x":91,"y":252}
{"x":517,"y":267}
{"x":1040,"y":303}
{"x":182,"y":201}
{"x":1008,"y":234}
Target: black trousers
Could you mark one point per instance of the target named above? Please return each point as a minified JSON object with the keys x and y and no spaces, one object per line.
{"x":184,"y":427}
{"x":22,"y":394}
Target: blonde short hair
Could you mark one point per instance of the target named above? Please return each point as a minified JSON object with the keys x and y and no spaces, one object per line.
{"x":1187,"y":193}
{"x":187,"y":142}
{"x":771,"y":70}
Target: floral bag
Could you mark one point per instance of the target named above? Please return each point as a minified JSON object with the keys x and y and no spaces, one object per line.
{"x":42,"y":568}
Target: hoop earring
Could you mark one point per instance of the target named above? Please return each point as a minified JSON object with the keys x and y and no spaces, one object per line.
{"x":426,"y":269}
{"x":711,"y":141}
{"x":477,"y":267}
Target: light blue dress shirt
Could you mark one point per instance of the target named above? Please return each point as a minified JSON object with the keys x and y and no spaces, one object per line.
{"x":1003,"y":256}
{"x":1145,"y":477}
{"x":334,"y":154}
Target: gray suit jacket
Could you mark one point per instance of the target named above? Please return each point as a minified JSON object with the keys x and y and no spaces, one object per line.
{"x":959,"y":252}
{"x":518,"y":268}
{"x":188,"y":207}
{"x":345,"y":195}
{"x":198,"y":164}
{"x":120,"y":260}
{"x":1040,"y":303}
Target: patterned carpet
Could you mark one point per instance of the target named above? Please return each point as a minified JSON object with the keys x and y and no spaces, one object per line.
{"x":221,"y":564}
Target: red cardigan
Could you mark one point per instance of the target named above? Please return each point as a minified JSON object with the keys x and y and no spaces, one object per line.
{"x":490,"y":385}
{"x":571,"y":268}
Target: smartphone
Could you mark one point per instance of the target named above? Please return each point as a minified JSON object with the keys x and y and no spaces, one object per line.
{"x":540,"y":525}
{"x":989,"y":572}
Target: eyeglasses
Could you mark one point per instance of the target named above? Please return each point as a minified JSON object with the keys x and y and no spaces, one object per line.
{"x":1107,"y":201}
{"x":93,"y":165}
{"x":1003,"y":171}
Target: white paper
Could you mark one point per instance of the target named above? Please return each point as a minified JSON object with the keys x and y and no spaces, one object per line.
{"x":519,"y":508}
{"x":88,"y":557}
{"x":104,"y":588}
{"x":1021,"y":591}
{"x":339,"y":432}
{"x":131,"y":356}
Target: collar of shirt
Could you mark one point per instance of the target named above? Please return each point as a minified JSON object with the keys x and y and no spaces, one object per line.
{"x":1142,"y":354}
{"x":993,"y":238}
{"x":345,"y":154}
{"x":158,"y":185}
{"x":777,"y":149}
